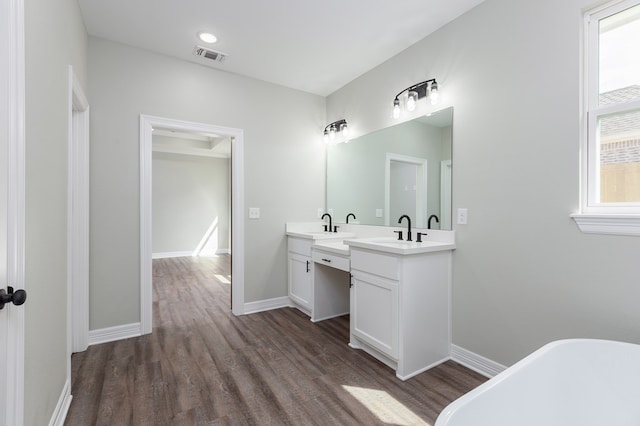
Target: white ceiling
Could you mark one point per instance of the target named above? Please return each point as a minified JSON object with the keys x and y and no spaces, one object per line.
{"x":314,"y":46}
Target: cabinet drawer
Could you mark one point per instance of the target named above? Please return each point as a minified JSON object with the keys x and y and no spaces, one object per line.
{"x":299,"y":245}
{"x":375,"y":263}
{"x":332,"y":260}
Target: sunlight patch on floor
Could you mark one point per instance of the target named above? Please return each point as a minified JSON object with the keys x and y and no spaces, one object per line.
{"x":222,"y":279}
{"x":388,"y":409}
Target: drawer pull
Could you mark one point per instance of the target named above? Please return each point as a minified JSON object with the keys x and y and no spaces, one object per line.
{"x":326,"y":260}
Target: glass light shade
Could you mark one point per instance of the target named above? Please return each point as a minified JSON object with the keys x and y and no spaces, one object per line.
{"x":411,"y":101}
{"x":345,"y":130}
{"x":396,"y":109}
{"x":332,"y":133}
{"x":434,"y":96}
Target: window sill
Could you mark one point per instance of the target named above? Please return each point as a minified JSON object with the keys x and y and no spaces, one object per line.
{"x":609,"y":224}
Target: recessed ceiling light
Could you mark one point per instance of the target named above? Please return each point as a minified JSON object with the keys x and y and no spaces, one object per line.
{"x":207,"y":37}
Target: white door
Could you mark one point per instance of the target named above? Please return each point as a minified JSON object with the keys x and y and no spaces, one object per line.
{"x":11,"y":208}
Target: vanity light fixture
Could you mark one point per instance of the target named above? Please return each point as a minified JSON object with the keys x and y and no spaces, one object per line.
{"x":337,"y":126}
{"x":427,"y":88}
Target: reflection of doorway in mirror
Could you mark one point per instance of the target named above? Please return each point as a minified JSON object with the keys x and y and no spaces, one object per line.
{"x":445,"y":194}
{"x":403,"y":186}
{"x":405,"y":189}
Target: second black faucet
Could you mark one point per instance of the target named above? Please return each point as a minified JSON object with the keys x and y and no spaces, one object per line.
{"x":330,"y":228}
{"x":409,"y":223}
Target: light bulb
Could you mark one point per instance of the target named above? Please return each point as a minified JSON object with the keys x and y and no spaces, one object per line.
{"x":433,"y":94}
{"x":434,"y":97}
{"x":411,"y":101}
{"x":326,"y":136}
{"x":396,"y":108}
{"x":332,"y":132}
{"x":345,"y":130}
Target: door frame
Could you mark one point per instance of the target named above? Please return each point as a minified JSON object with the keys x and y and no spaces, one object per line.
{"x":445,"y":194}
{"x":78,"y":219}
{"x":147,"y":123}
{"x":12,"y":60}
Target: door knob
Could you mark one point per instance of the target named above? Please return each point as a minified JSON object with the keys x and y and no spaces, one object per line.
{"x":17,"y":298}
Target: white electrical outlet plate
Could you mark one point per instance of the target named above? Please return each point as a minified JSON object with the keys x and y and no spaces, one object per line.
{"x":378,"y":212}
{"x":462,"y":216}
{"x":254,"y":213}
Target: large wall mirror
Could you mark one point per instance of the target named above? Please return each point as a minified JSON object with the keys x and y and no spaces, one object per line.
{"x":403,"y":169}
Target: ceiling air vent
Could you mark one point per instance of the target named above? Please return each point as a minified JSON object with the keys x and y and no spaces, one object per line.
{"x":209,"y":54}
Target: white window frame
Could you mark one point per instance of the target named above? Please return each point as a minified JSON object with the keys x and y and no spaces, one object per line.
{"x":595,"y":217}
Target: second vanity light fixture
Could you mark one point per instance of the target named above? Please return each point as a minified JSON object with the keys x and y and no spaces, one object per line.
{"x":332,"y":129}
{"x":417,"y":91}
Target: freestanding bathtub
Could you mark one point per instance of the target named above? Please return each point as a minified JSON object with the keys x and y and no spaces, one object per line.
{"x":581,"y":382}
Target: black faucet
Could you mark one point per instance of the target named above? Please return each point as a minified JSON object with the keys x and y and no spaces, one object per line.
{"x":408,"y":230}
{"x":330,"y":223}
{"x":351,"y":215}
{"x":433,"y":216}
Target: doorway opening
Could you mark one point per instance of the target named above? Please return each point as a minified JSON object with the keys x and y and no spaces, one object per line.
{"x":405,"y":188}
{"x":235,"y":138}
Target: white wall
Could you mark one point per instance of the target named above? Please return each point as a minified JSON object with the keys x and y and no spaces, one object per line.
{"x":284,"y":164}
{"x":55,"y":38}
{"x":523,"y":273}
{"x":191,"y":204}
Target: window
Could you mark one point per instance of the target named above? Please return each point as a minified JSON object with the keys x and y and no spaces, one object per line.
{"x":611,"y":161}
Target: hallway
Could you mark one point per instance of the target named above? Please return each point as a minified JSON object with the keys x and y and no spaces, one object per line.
{"x":203,"y":366}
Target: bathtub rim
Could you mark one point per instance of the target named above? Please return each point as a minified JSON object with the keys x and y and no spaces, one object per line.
{"x":446,"y":414}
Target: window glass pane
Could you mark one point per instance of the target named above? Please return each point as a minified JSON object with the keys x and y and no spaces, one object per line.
{"x":619,"y":139}
{"x":619,"y":57}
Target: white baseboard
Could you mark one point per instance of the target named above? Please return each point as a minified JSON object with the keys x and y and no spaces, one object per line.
{"x":267,"y":305}
{"x":476,"y":362}
{"x":62,"y":407}
{"x":110,"y":334}
{"x":169,"y":254}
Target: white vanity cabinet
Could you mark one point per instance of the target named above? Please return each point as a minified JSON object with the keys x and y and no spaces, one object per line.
{"x":400,"y":308}
{"x":300,"y":273}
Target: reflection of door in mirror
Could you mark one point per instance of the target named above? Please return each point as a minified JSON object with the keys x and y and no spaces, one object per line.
{"x":405,"y":189}
{"x":445,"y":194}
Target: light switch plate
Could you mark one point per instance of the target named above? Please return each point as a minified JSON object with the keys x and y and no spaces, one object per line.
{"x":254,"y":213}
{"x":378,"y":212}
{"x":462,"y":216}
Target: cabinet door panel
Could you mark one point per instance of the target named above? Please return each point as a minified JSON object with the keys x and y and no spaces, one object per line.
{"x":300,"y":279}
{"x":375,"y":313}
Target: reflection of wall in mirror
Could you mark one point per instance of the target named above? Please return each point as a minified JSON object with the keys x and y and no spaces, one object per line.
{"x":356,"y":170}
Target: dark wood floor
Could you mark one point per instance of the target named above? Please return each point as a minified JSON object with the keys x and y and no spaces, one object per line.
{"x":204,"y":366}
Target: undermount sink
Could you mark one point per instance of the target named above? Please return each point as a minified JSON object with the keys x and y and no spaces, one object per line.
{"x":393,"y":245}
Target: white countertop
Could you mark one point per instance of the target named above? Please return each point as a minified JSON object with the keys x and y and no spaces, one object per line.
{"x":395,"y":246}
{"x":320,"y":235}
{"x":336,"y":247}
